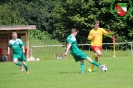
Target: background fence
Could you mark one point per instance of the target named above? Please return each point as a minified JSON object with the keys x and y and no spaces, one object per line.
{"x":47,"y":52}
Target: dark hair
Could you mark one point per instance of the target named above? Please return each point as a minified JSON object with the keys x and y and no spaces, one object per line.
{"x":96,"y":22}
{"x":74,"y":30}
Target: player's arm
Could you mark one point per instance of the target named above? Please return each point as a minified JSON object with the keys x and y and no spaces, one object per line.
{"x":9,"y":46}
{"x":23,"y":49}
{"x":8,"y":51}
{"x":22,"y":45}
{"x":106,"y":32}
{"x":91,"y":35}
{"x":69,"y":42}
{"x":67,"y":48}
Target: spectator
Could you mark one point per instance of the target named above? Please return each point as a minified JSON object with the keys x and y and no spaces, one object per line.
{"x":6,"y":57}
{"x":1,"y":54}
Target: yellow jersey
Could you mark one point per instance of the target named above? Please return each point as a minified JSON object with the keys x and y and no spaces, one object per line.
{"x":97,"y":40}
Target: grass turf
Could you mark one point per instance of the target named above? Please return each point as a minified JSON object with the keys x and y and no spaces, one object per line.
{"x":66,"y":74}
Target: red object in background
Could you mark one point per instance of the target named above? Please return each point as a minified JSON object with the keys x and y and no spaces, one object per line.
{"x":1,"y":51}
{"x":26,"y":51}
{"x":114,"y":39}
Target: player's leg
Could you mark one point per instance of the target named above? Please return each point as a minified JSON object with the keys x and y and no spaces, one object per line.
{"x":80,"y":56}
{"x":26,"y":67}
{"x":93,"y":62}
{"x":23,"y":59}
{"x":82,"y":66}
{"x":77,"y":58}
{"x":22,"y":68}
{"x":15,"y":60}
{"x":96,"y":56}
{"x":97,"y":53}
{"x":92,"y":66}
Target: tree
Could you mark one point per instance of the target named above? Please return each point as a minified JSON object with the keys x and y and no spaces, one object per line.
{"x":37,"y":12}
{"x":9,"y":17}
{"x":82,"y":13}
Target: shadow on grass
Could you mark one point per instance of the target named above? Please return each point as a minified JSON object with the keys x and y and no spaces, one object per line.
{"x":76,"y":72}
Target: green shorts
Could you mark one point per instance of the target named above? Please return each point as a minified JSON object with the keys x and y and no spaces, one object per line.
{"x":20,"y":56}
{"x":79,"y":56}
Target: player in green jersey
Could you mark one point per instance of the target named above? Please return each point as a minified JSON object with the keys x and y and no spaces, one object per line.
{"x":71,"y":43}
{"x":18,"y":51}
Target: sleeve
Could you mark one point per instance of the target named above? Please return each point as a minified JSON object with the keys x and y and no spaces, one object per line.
{"x":105,"y":32}
{"x":70,"y":40}
{"x":9,"y":44}
{"x":21,"y":42}
{"x":90,"y":35}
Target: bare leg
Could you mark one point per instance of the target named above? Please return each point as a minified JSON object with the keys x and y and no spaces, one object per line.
{"x":97,"y":56}
{"x":99,"y":53}
{"x":17,"y":62}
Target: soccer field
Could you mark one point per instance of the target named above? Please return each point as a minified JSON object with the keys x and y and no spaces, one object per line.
{"x":66,"y":74}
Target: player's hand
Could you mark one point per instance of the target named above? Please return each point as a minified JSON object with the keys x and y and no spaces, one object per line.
{"x":65,"y":54}
{"x":108,"y":30}
{"x":94,"y":35}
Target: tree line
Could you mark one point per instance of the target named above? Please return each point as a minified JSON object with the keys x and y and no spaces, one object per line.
{"x":57,"y":17}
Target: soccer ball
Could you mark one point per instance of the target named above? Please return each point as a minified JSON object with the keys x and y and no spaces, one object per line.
{"x":38,"y":59}
{"x":104,"y":69}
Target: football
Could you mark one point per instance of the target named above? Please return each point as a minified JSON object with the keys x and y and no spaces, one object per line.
{"x":38,"y":59}
{"x":104,"y":69}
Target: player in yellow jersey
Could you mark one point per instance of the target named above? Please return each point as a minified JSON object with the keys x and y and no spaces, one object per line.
{"x":96,"y":36}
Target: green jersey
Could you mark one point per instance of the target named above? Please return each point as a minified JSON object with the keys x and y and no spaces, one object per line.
{"x":16,"y":45}
{"x":75,"y":51}
{"x":72,"y":40}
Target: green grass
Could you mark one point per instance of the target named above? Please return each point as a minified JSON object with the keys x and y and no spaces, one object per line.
{"x":66,"y":74}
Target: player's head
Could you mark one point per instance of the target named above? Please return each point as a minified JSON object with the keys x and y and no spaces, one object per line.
{"x":74,"y":31}
{"x":14,"y":35}
{"x":96,"y":24}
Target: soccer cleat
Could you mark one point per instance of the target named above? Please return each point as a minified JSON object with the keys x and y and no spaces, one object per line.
{"x":94,"y":56}
{"x":91,"y":67}
{"x":89,"y":70}
{"x":27,"y":72}
{"x":21,"y":68}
